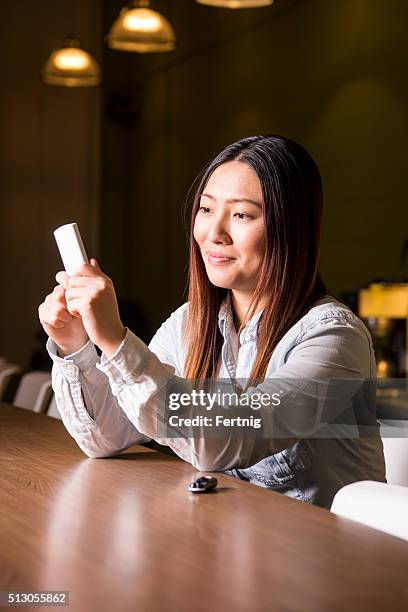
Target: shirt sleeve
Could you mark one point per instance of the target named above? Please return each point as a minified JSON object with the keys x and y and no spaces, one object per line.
{"x":324,"y":371}
{"x":89,"y":410}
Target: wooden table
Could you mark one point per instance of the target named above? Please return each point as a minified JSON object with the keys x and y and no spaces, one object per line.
{"x":124,"y":534}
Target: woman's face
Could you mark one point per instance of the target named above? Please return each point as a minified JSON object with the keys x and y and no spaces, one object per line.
{"x":229,"y":227}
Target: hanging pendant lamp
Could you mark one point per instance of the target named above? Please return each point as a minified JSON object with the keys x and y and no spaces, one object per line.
{"x":236,"y":4}
{"x":71,"y":66}
{"x":142,"y":30}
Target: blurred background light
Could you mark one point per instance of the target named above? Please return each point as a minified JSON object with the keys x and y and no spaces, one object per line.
{"x":236,"y":4}
{"x":139,"y":29}
{"x":71,"y":66}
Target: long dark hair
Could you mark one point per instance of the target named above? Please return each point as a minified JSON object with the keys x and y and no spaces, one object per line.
{"x":289,"y":280}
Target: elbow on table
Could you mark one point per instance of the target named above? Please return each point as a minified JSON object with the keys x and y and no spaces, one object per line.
{"x":208,"y":464}
{"x":95,"y":452}
{"x":206,"y":456}
{"x":98,"y":455}
{"x":218,"y":455}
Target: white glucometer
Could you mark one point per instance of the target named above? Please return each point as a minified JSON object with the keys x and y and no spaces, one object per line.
{"x":71,"y":247}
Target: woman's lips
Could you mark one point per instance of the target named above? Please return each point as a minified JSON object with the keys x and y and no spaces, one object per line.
{"x":218,"y":260}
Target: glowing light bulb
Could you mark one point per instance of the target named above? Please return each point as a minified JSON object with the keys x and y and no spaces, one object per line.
{"x":141,"y":20}
{"x":71,"y":66}
{"x":71,"y":59}
{"x":141,"y":30}
{"x":236,"y":4}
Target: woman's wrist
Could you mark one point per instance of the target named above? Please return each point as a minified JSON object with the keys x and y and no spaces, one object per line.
{"x":109,"y":347}
{"x":64,"y":350}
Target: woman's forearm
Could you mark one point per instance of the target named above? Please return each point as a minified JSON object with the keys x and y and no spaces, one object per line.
{"x":89,"y":410}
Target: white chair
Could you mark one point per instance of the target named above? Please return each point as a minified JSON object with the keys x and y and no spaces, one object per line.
{"x":394,"y":434}
{"x":52,"y":410}
{"x":376,"y":504}
{"x":9,"y":375}
{"x":34,"y":391}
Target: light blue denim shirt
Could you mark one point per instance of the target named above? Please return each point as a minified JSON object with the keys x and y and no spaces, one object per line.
{"x":110,"y":404}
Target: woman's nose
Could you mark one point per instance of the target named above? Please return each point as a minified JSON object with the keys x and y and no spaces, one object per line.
{"x":218,"y":230}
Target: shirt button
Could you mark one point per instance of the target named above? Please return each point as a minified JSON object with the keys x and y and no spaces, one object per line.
{"x":71,"y":374}
{"x":131,"y":379}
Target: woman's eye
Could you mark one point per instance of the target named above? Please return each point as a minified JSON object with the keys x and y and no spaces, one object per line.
{"x":205,"y":210}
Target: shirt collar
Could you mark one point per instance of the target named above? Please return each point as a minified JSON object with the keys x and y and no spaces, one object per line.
{"x":225,"y":321}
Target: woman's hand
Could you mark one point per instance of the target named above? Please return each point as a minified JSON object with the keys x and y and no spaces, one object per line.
{"x":67,"y":331}
{"x":90,"y":296}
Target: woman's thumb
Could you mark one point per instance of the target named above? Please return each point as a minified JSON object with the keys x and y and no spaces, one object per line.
{"x":94,"y":263}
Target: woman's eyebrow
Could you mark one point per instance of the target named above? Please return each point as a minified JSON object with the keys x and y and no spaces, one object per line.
{"x":233,"y":200}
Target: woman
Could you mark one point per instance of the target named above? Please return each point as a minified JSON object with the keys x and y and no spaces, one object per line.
{"x":258,"y":312}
